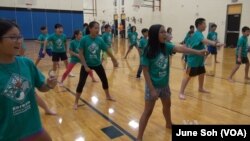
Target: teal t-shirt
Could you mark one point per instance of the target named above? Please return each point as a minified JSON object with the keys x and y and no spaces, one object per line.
{"x":212,"y":36}
{"x":243,"y":43}
{"x":92,"y":48}
{"x":187,"y":40}
{"x":142,"y":45}
{"x":74,"y":46}
{"x":195,"y":42}
{"x":58,"y":42}
{"x":42,"y":38}
{"x":107,"y":38}
{"x":132,"y":36}
{"x":19,"y":114}
{"x":158,"y":67}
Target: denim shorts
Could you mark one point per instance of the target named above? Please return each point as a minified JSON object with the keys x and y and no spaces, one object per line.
{"x":161,"y":92}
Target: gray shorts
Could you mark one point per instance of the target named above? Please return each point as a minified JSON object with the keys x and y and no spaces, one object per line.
{"x":162,"y":92}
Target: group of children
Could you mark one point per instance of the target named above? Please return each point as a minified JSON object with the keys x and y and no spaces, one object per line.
{"x":17,"y":101}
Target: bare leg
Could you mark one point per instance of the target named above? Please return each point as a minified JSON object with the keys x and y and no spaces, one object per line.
{"x":148,"y":109}
{"x":44,"y":106}
{"x":129,"y":49}
{"x":37,"y":61}
{"x":78,"y":95}
{"x":183,"y":87}
{"x":201,"y":78}
{"x":246,"y":71}
{"x":108,"y":96}
{"x":215,"y":59}
{"x":166,"y":103}
{"x":55,"y":64}
{"x":230,"y":78}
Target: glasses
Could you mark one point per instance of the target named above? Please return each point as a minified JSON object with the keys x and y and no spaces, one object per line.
{"x":13,"y":38}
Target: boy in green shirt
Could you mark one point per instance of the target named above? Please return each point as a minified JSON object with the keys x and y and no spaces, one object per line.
{"x":196,"y":62}
{"x":241,"y":54}
{"x":213,"y":36}
{"x":59,"y":47}
{"x":42,"y":37}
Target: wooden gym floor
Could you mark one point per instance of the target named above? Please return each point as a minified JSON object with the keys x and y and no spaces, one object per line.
{"x":228,"y":103}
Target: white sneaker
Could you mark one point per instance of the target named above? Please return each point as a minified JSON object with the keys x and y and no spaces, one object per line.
{"x":71,"y":75}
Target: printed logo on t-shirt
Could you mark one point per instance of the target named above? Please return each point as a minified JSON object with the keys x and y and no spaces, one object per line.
{"x":162,"y":63}
{"x":17,"y":88}
{"x":214,"y":38}
{"x":93,"y":48}
{"x":59,"y":43}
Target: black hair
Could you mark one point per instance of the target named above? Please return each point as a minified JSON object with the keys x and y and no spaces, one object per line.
{"x":43,"y":27}
{"x":76,"y":32}
{"x":245,"y":28}
{"x":154,"y":46}
{"x":92,"y":24}
{"x":58,"y":25}
{"x":213,"y":25}
{"x":85,"y":25}
{"x":144,"y":30}
{"x":191,"y":26}
{"x":107,"y":26}
{"x":5,"y":26}
{"x":199,"y":21}
{"x":168,"y":29}
{"x":133,"y":27}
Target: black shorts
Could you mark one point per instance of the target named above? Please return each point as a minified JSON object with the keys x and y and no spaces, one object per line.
{"x":194,"y":71}
{"x":244,"y":60}
{"x":56,"y":57}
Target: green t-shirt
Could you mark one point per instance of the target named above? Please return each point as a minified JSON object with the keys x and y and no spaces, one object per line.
{"x":92,"y":48}
{"x":158,"y":67}
{"x":42,"y":38}
{"x":132,"y":36}
{"x":58,"y":42}
{"x":212,"y":36}
{"x":195,"y":42}
{"x":107,"y":38}
{"x":19,"y":115}
{"x":142,"y":45}
{"x":243,"y":43}
{"x":187,"y":40}
{"x":74,"y":46}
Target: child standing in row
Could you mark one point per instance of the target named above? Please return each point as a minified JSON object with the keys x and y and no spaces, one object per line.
{"x":142,"y":45}
{"x":19,"y":116}
{"x":132,"y":38}
{"x":58,"y":40}
{"x":42,"y":37}
{"x":241,"y":54}
{"x":74,"y":59}
{"x":213,"y":36}
{"x":155,"y":62}
{"x":89,"y":53}
{"x":196,"y":62}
